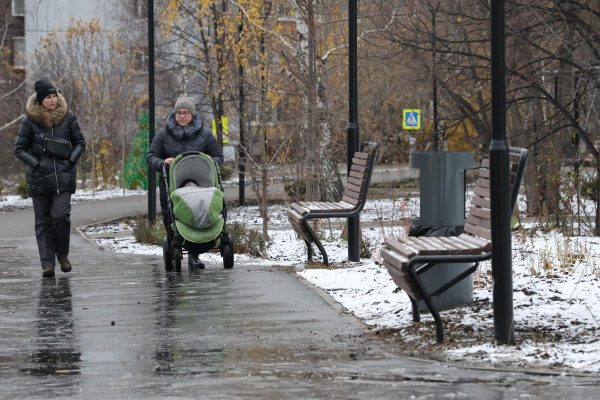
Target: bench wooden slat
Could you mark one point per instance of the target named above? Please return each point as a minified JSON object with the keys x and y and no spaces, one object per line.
{"x":460,"y":246}
{"x":308,"y":206}
{"x":350,"y":187}
{"x":459,"y":241}
{"x":318,"y":206}
{"x":359,"y":161}
{"x":443,"y":245}
{"x":356,"y":181}
{"x":352,"y":191}
{"x":361,"y":154}
{"x":298,"y":208}
{"x":478,"y":231}
{"x":333,"y":206}
{"x":428,"y":245}
{"x":296,"y":221}
{"x":481,"y":202}
{"x":436,"y":244}
{"x":396,"y":245}
{"x":484,"y":173}
{"x":485,"y":162}
{"x":483,"y":213}
{"x":358,"y":175}
{"x":358,"y":168}
{"x":480,"y":222}
{"x":402,"y":280}
{"x":351,"y":200}
{"x":480,"y":241}
{"x":424,"y":248}
{"x":482,"y":192}
{"x":293,"y":216}
{"x":483,"y":182}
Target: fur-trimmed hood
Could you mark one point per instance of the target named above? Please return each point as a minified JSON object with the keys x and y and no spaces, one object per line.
{"x":45,"y":118}
{"x":189,"y":131}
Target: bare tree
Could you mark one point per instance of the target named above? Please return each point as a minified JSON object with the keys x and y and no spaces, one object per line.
{"x":95,"y":71}
{"x":12,"y":89}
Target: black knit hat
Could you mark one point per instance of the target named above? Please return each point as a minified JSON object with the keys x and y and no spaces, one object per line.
{"x":42,"y":89}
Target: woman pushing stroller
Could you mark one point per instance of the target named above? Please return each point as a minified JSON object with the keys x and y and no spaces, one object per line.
{"x":185,"y":131}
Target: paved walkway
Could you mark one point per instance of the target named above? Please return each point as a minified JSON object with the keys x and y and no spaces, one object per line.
{"x":118,"y":326}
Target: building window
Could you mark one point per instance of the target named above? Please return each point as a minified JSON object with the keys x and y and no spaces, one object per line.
{"x":19,"y":52}
{"x":18,"y":8}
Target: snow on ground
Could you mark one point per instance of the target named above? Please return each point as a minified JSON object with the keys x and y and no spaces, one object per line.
{"x":556,"y":289}
{"x":14,"y":202}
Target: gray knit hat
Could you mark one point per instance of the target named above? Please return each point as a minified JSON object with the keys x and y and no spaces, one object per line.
{"x":186,"y":103}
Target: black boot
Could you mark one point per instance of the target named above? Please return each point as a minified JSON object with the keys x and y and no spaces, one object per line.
{"x":65,"y":264}
{"x":194,"y":262}
{"x":48,"y":271}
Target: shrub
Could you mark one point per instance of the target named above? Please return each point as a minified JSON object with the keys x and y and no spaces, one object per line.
{"x":22,"y":189}
{"x":147,"y":233}
{"x":590,"y":188}
{"x":365,"y":248}
{"x":247,"y":241}
{"x":295,"y":189}
{"x":226,"y":172}
{"x":136,"y":168}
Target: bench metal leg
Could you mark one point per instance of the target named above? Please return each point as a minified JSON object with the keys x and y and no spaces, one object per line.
{"x":316,"y":241}
{"x":429,"y":302}
{"x":415,"y":310}
{"x":309,"y":250}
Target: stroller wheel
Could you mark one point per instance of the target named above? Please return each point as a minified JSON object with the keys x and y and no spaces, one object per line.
{"x":227,"y":252}
{"x":167,"y":257}
{"x":177,"y":259}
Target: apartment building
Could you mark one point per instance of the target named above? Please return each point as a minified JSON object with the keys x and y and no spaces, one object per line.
{"x":12,"y":35}
{"x":45,"y":16}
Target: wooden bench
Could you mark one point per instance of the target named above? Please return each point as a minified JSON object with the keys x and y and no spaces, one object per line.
{"x":406,"y":258}
{"x":352,"y":203}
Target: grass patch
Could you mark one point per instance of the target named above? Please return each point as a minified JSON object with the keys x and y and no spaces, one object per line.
{"x":247,"y":241}
{"x":411,"y":183}
{"x":147,"y":233}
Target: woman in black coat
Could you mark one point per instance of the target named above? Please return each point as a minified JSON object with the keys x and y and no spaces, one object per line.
{"x":50,"y":176}
{"x":185,"y":131}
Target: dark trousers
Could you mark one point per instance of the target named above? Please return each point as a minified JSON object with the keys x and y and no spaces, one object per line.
{"x":52,"y":225}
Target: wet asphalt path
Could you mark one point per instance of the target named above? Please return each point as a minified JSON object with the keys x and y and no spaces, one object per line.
{"x":119,"y":327}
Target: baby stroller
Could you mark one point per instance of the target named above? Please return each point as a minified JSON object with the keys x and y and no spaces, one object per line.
{"x":197,"y":213}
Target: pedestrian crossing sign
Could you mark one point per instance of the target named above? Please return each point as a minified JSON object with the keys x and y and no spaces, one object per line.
{"x":411,"y":119}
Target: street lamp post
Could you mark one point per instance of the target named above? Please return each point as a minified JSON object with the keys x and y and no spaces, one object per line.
{"x":499,"y":182}
{"x":352,"y":133}
{"x":151,"y":103}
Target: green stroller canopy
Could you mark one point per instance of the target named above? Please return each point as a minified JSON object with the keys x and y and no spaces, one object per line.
{"x":196,"y":198}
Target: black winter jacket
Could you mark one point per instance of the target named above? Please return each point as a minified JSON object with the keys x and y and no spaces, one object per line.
{"x":173,"y":140}
{"x":45,"y":173}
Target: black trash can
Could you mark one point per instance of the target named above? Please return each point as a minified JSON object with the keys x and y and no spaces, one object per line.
{"x":442,"y":213}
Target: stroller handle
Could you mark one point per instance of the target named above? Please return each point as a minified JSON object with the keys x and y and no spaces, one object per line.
{"x":190,"y":153}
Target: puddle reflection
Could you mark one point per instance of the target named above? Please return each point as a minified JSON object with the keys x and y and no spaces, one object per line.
{"x":181,"y":306}
{"x":56,"y":351}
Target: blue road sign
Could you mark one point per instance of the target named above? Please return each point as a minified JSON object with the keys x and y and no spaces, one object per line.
{"x":411,"y":119}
